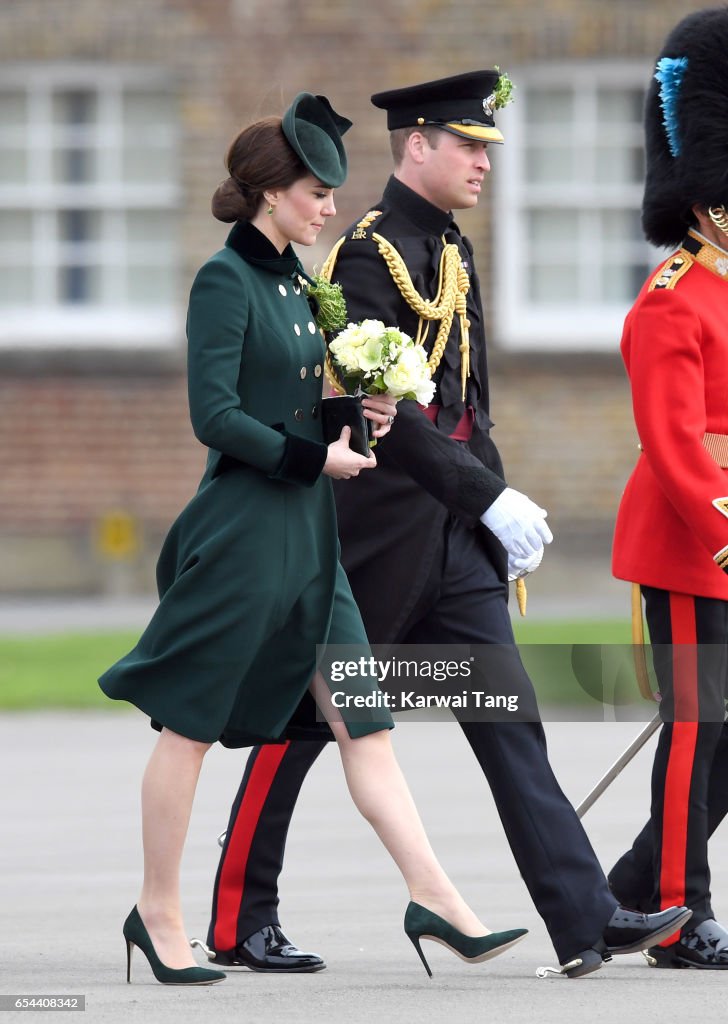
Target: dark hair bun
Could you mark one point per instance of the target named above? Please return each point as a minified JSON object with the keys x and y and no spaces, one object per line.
{"x":229,"y":203}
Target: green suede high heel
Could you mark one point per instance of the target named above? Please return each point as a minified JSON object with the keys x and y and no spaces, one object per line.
{"x":420,"y":923}
{"x":137,"y":935}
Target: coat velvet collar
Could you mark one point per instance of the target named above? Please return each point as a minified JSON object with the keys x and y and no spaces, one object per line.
{"x":253,"y":246}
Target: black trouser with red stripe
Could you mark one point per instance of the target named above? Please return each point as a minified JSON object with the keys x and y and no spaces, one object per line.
{"x":246,"y":887}
{"x":464,"y":602}
{"x":668,"y":862}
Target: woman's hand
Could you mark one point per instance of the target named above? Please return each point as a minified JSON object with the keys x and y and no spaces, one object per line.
{"x":342,"y":463}
{"x":381,"y":409}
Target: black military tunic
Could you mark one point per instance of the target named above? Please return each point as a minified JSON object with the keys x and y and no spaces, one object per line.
{"x":396,"y":520}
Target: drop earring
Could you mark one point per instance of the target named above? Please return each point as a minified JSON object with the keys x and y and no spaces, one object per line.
{"x":269,"y":211}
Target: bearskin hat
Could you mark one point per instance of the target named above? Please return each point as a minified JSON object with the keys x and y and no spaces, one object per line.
{"x":686,"y":126}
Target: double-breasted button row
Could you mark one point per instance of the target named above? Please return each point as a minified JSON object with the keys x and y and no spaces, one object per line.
{"x":317,"y":371}
{"x":310,"y":327}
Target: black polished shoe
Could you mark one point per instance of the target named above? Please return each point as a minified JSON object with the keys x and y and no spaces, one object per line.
{"x":627,"y":931}
{"x":705,"y":946}
{"x":267,"y":950}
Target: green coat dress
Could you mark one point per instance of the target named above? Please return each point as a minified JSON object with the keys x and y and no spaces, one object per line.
{"x":249,"y":576}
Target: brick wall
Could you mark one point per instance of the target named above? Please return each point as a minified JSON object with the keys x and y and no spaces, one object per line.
{"x":75,"y":451}
{"x":80,"y":436}
{"x":84,"y":446}
{"x":567,"y":437}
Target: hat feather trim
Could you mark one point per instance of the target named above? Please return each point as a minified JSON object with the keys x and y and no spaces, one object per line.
{"x":669,"y":73}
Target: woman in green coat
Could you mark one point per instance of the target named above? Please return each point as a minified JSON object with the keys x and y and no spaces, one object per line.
{"x":249,"y":578}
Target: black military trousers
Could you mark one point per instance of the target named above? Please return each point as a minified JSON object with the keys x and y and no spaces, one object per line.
{"x":668,"y":862}
{"x":464,"y":602}
{"x":245,"y":896}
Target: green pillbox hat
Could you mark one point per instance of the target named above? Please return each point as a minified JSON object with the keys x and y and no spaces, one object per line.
{"x":314,"y":129}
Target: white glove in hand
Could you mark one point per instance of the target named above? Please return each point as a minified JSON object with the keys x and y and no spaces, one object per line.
{"x":518,"y":567}
{"x":518,"y":523}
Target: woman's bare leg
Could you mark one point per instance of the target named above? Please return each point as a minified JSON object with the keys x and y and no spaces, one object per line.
{"x":381,"y":794}
{"x":168,"y":789}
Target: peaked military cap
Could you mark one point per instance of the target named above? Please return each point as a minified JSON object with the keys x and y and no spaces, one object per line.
{"x":314,"y":129}
{"x":686,"y":126}
{"x":461,"y":104}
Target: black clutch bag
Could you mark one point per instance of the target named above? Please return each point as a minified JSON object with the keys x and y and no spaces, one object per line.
{"x":341,"y":411}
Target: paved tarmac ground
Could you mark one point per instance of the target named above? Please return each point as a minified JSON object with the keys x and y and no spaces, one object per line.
{"x":70,"y":867}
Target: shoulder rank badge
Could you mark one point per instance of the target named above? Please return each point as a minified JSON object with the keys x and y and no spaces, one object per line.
{"x":669,"y":275}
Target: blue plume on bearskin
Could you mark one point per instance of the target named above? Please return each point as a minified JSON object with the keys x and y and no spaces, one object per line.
{"x":686,"y":126}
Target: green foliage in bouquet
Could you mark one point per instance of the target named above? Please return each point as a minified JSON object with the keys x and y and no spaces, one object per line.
{"x":331,"y":305}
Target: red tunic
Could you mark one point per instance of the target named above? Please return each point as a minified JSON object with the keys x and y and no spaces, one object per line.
{"x":672,"y":531}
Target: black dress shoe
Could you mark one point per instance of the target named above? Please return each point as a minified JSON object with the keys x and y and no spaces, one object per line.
{"x":705,"y":946}
{"x":627,"y":931}
{"x":268,"y":950}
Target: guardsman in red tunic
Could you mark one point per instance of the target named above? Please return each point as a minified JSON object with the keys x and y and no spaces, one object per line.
{"x":672,"y":528}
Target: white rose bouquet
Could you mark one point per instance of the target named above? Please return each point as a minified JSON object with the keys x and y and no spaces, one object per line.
{"x":373,"y":359}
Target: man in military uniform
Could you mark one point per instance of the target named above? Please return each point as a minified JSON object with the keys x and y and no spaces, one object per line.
{"x":672,"y":527}
{"x":429,"y":543}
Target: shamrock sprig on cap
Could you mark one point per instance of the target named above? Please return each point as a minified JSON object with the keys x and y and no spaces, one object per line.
{"x":503,"y":91}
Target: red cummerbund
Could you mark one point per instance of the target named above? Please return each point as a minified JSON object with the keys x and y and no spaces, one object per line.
{"x":463,"y":430}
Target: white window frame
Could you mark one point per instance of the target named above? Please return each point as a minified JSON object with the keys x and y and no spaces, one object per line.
{"x":519,"y":323}
{"x":48,"y":324}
